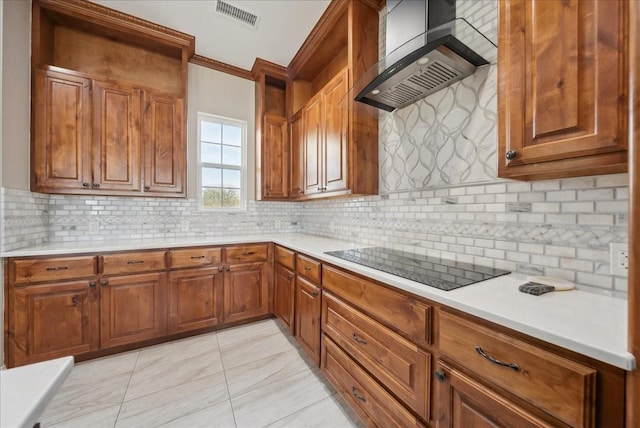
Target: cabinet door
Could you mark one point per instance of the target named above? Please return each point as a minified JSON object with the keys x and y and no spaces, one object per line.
{"x":275,"y":158}
{"x":53,"y":320}
{"x":61,"y":132}
{"x":336,"y":120}
{"x":463,"y":402}
{"x":116,"y":138}
{"x":246,"y":291}
{"x":296,"y":159}
{"x":284,"y":295}
{"x":562,"y":88}
{"x":132,"y":308}
{"x":195,"y":299}
{"x":164,"y":144}
{"x":312,"y":117}
{"x":308,"y":307}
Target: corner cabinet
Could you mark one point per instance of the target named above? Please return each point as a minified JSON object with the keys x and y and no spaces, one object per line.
{"x":562,"y":88}
{"x":115,"y":129}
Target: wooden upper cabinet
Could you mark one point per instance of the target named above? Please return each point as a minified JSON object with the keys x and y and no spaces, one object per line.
{"x":116,"y":137}
{"x":164,"y":145}
{"x":336,"y":124}
{"x":312,"y":148}
{"x":275,"y":158}
{"x":96,"y":120}
{"x":562,"y":88}
{"x":296,"y":159}
{"x":61,"y":131}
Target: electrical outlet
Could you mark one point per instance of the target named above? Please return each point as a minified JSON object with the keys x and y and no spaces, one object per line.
{"x":619,"y":259}
{"x":184,"y":226}
{"x":94,"y":226}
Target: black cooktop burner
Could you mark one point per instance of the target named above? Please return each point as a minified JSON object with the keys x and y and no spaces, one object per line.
{"x":433,"y":271}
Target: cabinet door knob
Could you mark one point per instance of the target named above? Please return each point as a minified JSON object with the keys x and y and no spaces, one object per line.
{"x":85,"y":184}
{"x":104,"y":283}
{"x":324,"y":189}
{"x":228,"y":269}
{"x":147,"y":187}
{"x":511,"y":154}
{"x":220,"y":269}
{"x":96,"y":185}
{"x":440,"y":376}
{"x":92,"y":284}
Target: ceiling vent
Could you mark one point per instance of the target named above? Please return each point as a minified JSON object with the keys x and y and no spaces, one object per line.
{"x":237,"y":14}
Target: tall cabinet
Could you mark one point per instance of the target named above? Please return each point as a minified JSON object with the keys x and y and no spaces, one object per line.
{"x":102,"y":126}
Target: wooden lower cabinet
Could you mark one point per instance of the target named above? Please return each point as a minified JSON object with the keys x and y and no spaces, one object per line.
{"x":463,"y":402}
{"x":52,"y":320}
{"x":373,"y":403}
{"x":132,"y":308}
{"x":246,"y":291}
{"x":284,"y":296}
{"x":195,"y":299}
{"x":308,"y":309}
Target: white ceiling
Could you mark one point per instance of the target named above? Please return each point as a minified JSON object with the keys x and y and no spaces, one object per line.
{"x":283,"y":26}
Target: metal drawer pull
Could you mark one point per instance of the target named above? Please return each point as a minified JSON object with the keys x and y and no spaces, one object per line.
{"x":58,"y":268}
{"x":513,"y":366}
{"x":306,"y":267}
{"x":358,"y":339}
{"x":248,"y":253}
{"x":283,"y":256}
{"x":315,"y":294}
{"x":197,"y":257}
{"x":358,"y":396}
{"x":135,"y":262}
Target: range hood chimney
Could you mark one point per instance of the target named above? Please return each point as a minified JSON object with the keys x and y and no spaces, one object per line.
{"x":428,"y":49}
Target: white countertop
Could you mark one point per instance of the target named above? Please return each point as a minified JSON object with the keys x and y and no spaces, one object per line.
{"x":583,"y":322}
{"x":27,"y":390}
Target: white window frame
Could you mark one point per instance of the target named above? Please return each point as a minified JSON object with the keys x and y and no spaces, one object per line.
{"x":207,"y":117}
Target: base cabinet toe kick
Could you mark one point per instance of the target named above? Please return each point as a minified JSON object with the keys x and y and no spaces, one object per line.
{"x":396,"y":358}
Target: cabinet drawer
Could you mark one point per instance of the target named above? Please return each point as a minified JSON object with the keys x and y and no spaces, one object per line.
{"x":370,"y":400}
{"x":194,"y":257}
{"x":247,"y":253}
{"x":399,"y":364}
{"x":286,"y":257}
{"x":403,"y":312}
{"x":113,"y":264}
{"x":561,"y":387}
{"x":38,"y":270}
{"x":308,"y":268}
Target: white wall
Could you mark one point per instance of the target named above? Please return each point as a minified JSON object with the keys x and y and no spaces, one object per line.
{"x":16,"y":52}
{"x":225,"y":95}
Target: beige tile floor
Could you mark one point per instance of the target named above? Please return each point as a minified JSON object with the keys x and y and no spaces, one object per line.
{"x":246,"y":377}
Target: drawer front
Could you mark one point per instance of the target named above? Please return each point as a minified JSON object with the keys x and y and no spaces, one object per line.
{"x":247,"y":253}
{"x":309,"y":268}
{"x":194,"y":257}
{"x":561,"y":387}
{"x":399,"y":364}
{"x":39,"y":270}
{"x":113,"y":264}
{"x":375,"y":405}
{"x":286,"y":257}
{"x":405,"y":313}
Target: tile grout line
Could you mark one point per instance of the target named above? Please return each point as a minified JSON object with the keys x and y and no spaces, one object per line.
{"x":126,"y":389}
{"x":226,"y":383}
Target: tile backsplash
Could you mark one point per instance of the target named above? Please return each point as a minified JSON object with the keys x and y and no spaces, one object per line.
{"x":559,"y":228}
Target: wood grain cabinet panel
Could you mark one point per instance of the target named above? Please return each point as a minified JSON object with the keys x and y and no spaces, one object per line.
{"x":296,"y":159}
{"x":309,"y":268}
{"x":52,"y":320}
{"x":194,"y":257}
{"x":34,"y":270}
{"x":143,"y":261}
{"x":312,"y":146}
{"x":561,"y":387}
{"x":116,"y":137}
{"x":61,"y":131}
{"x":275,"y":158}
{"x":373,"y":403}
{"x":562,"y":88}
{"x":463,"y":402}
{"x":284,"y":296}
{"x":285,"y":257}
{"x":397,"y":363}
{"x":246,"y":291}
{"x":164,"y":144}
{"x":247,"y":253}
{"x":195,"y":298}
{"x":336,"y":126}
{"x":133,"y":308}
{"x":307,"y":315}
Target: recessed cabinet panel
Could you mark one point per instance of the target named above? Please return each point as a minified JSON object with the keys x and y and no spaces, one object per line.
{"x":246,"y":291}
{"x":336,"y":126}
{"x":284,"y":296}
{"x":312,"y":116}
{"x":308,"y":308}
{"x":195,"y":299}
{"x":61,"y":131}
{"x":275,"y":158}
{"x":116,"y":128}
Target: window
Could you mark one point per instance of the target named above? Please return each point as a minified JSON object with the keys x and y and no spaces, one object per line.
{"x":222,"y":162}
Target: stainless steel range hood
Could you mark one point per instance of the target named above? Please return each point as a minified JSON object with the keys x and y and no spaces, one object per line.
{"x":428,"y":49}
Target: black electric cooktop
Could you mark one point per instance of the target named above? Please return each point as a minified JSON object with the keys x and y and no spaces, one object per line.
{"x":432,"y":271}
